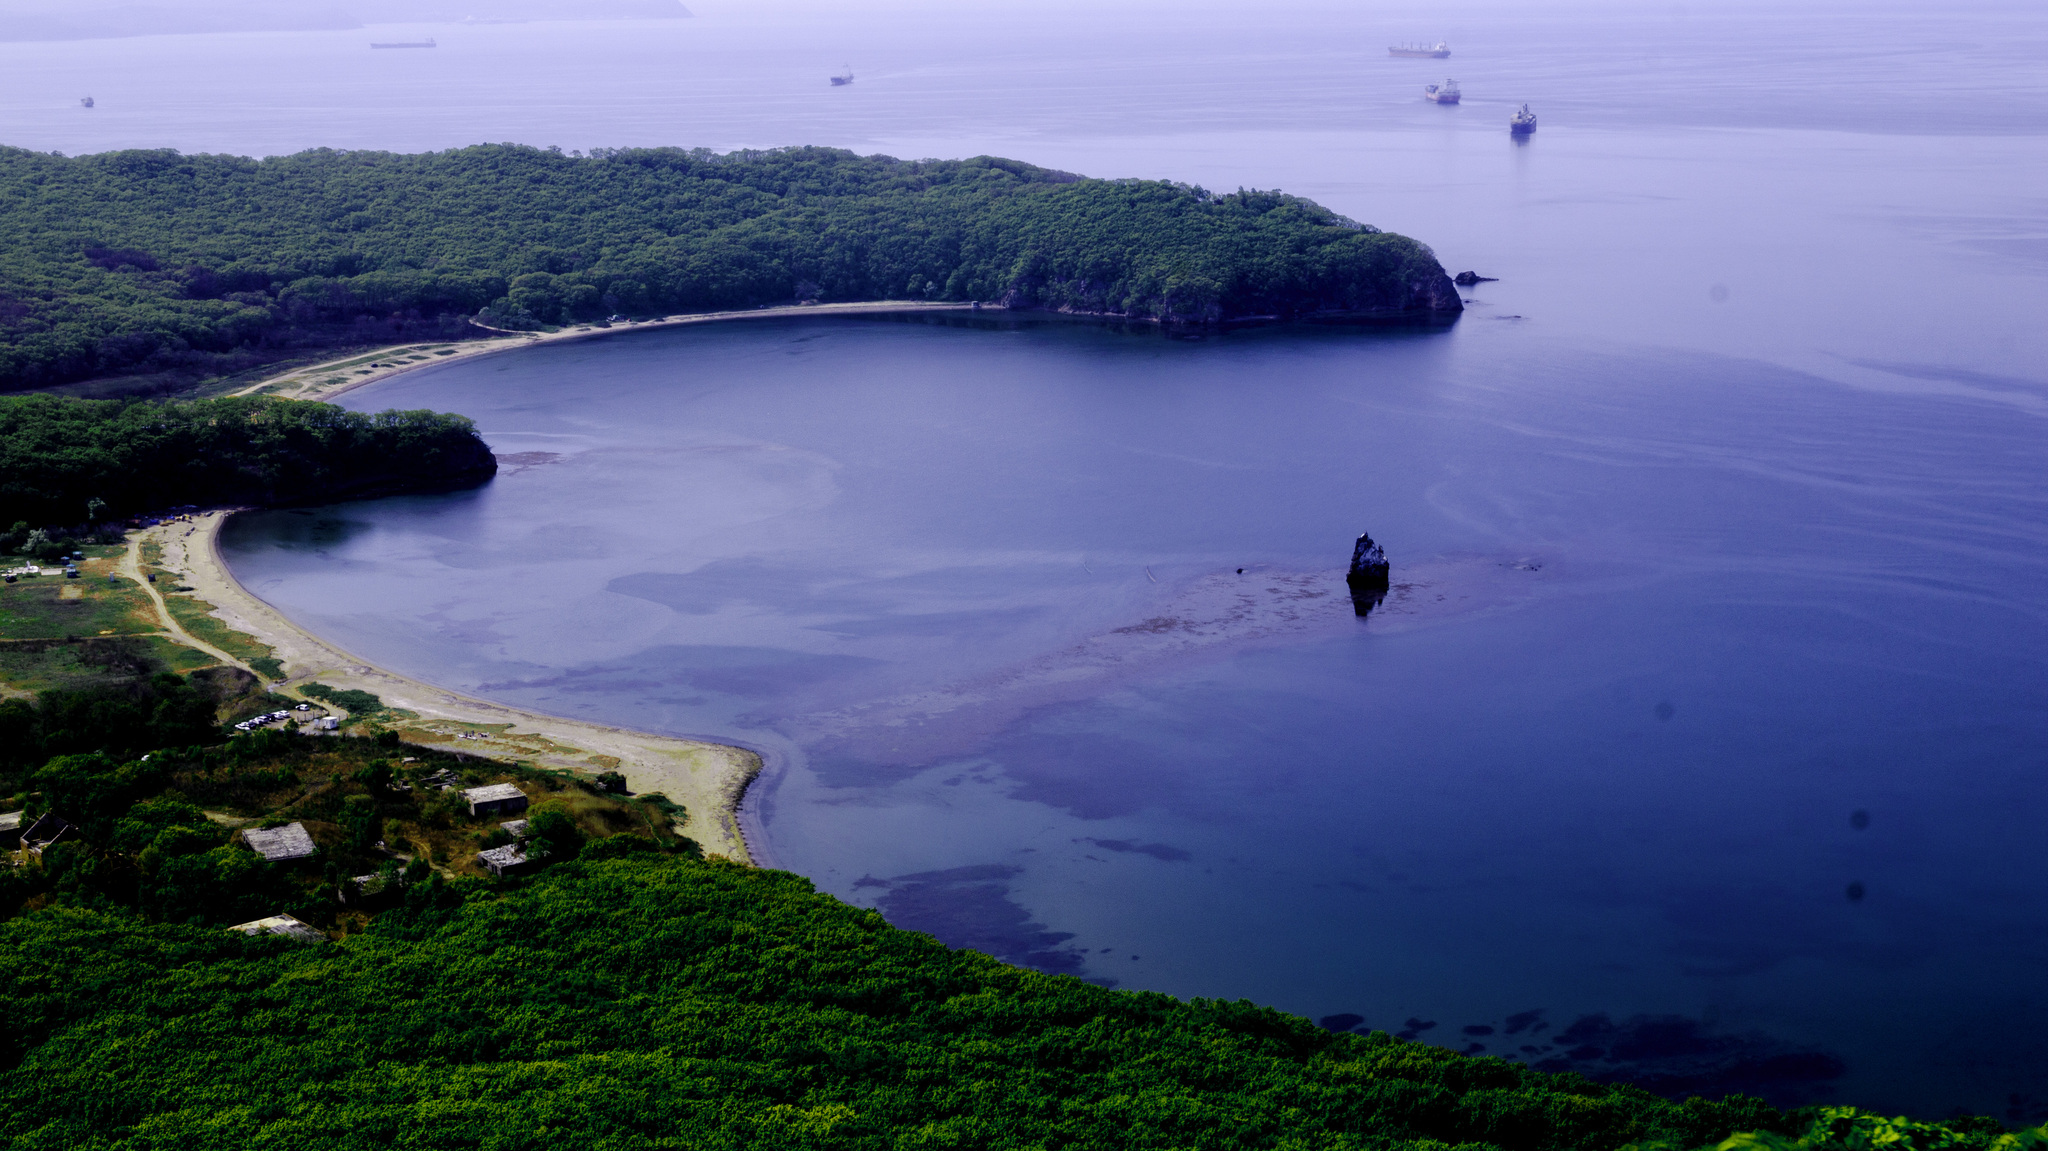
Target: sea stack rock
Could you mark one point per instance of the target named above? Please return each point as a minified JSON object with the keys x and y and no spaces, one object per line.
{"x":1367,"y":577}
{"x":1369,"y":568}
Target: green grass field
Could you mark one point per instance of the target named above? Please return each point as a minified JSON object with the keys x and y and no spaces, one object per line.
{"x":34,"y":667}
{"x":50,"y":606}
{"x":70,"y":633}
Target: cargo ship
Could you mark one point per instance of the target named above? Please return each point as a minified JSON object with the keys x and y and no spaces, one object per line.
{"x":1436,"y":51}
{"x":844,"y":78}
{"x":426,"y":43}
{"x":1523,"y":123}
{"x":1444,"y":93}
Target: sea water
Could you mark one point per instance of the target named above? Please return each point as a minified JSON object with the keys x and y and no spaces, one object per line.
{"x":1702,"y":746}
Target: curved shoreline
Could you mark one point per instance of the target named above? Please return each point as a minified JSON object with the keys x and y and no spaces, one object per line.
{"x":703,"y":775}
{"x":301,"y":384}
{"x":709,"y":779}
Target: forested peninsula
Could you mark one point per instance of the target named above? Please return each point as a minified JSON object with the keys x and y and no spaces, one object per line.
{"x":149,"y":261}
{"x":66,"y":461}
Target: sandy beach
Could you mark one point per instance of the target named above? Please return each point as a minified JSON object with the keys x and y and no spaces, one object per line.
{"x":708,"y":779}
{"x":331,"y":378}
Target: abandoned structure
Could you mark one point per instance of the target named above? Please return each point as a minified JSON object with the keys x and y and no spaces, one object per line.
{"x":497,"y":798}
{"x":281,"y":844}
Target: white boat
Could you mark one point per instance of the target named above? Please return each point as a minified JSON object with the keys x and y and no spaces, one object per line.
{"x":1444,"y":93}
{"x":1436,"y":51}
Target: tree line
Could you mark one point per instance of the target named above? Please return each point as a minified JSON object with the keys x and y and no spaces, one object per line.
{"x":152,"y":260}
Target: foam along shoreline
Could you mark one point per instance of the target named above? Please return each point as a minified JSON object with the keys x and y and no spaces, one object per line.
{"x":331,"y":378}
{"x":708,"y":779}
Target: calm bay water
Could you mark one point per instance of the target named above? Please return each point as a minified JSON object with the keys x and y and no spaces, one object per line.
{"x":1723,"y":750}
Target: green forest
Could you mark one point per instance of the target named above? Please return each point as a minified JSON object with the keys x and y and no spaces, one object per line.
{"x":629,"y":994}
{"x":66,"y":461}
{"x":631,"y":1000}
{"x":142,"y":261}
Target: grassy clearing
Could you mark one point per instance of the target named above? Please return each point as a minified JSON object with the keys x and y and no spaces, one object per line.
{"x":33,"y":666}
{"x":194,"y":615}
{"x":39,"y":608}
{"x":58,"y":633}
{"x":495,"y":739}
{"x":86,"y":632}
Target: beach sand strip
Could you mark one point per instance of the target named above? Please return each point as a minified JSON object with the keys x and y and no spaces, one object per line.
{"x":708,"y":779}
{"x":331,"y":378}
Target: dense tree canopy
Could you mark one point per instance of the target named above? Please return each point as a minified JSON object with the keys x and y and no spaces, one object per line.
{"x":59,"y":455}
{"x":145,"y":259}
{"x":630,"y":995}
{"x":656,"y":1002}
{"x":648,"y":1001}
{"x":164,"y":710}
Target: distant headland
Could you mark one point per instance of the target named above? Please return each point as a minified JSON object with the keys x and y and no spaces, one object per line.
{"x":142,"y":262}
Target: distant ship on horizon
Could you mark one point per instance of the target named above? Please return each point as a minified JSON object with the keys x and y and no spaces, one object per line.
{"x":844,"y":78}
{"x":86,"y":102}
{"x":1523,"y":123}
{"x":426,"y":43}
{"x":1436,"y":51}
{"x":1444,"y":93}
